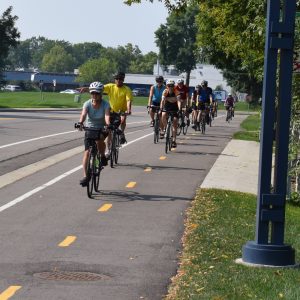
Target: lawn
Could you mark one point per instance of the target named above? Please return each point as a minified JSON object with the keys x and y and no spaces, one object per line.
{"x":251,"y":128}
{"x":218,"y":224}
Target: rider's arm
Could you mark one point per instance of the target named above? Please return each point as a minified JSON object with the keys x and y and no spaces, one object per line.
{"x":151,"y":95}
{"x":129,"y":100}
{"x":83,"y":115}
{"x":107,"y":115}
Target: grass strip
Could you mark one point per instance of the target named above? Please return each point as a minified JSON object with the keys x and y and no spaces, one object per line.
{"x":218,"y":224}
{"x":251,"y":126}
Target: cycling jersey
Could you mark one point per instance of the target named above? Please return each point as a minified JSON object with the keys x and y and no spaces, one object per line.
{"x":183,"y":91}
{"x":95,"y":117}
{"x":170,"y":101}
{"x":118,"y":96}
{"x":157,"y":94}
{"x":229,"y":101}
{"x":204,"y":95}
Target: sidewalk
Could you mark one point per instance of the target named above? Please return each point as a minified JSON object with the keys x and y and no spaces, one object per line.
{"x":236,"y":168}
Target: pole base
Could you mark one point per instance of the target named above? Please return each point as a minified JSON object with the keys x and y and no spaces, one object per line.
{"x":268,"y":255}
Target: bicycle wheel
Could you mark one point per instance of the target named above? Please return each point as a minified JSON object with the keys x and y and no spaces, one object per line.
{"x":203,"y":125}
{"x":179,"y":126}
{"x":168,"y":137}
{"x":117,"y":147}
{"x":185,"y":127}
{"x":228,"y":116}
{"x":97,"y":170}
{"x":156,"y":131}
{"x":90,"y":175}
{"x":112,"y":150}
{"x":210,"y":119}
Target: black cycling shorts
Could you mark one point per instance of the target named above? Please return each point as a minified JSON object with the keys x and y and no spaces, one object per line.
{"x":89,"y":136}
{"x":171,"y":106}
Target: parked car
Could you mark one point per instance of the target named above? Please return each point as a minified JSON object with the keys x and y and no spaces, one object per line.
{"x":12,"y":88}
{"x":140,"y":92}
{"x":70,"y":91}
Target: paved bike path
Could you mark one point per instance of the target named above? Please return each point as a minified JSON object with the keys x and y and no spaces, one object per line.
{"x":135,"y":243}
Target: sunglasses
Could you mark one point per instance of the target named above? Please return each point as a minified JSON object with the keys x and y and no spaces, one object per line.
{"x":120,"y":79}
{"x":171,"y":85}
{"x":95,"y":93}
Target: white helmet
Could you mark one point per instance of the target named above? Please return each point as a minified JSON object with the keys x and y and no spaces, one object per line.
{"x":229,"y":94}
{"x":96,"y":87}
{"x":180,"y":80}
{"x":170,"y":82}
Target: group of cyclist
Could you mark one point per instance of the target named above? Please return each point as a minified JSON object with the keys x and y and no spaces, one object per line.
{"x":100,"y":114}
{"x":165,"y":97}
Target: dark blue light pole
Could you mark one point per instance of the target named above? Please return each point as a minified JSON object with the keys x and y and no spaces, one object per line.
{"x":268,"y":247}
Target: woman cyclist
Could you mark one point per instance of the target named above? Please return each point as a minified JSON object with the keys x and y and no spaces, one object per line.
{"x":96,"y":114}
{"x":170,"y":103}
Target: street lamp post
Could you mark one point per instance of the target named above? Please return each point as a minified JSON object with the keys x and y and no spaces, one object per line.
{"x":268,"y":247}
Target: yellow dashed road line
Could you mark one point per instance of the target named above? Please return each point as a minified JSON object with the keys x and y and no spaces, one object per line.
{"x":9,"y":292}
{"x":105,"y":207}
{"x":67,"y":241}
{"x":149,"y":169}
{"x":162,"y":157}
{"x":7,"y":119}
{"x":131,"y":184}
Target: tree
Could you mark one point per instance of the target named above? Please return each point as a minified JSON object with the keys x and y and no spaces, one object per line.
{"x":9,"y":35}
{"x":143,"y":64}
{"x":177,"y":41}
{"x":57,"y":60}
{"x":82,"y":52}
{"x":100,"y":69}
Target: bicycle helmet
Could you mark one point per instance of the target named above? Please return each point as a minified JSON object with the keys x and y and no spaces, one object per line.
{"x":180,"y":80}
{"x":229,"y":94}
{"x":204,"y":82}
{"x":198,"y":86}
{"x":96,"y":87}
{"x":170,"y":82}
{"x":119,"y":75}
{"x":159,"y":79}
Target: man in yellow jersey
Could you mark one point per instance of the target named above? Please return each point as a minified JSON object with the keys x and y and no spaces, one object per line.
{"x":120,"y":98}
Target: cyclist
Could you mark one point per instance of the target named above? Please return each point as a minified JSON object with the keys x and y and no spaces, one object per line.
{"x":205,"y":99}
{"x":170,"y":103}
{"x":182,"y":92}
{"x":194,"y":101}
{"x":96,"y":114}
{"x":155,"y":96}
{"x":120,"y":99}
{"x":229,"y":103}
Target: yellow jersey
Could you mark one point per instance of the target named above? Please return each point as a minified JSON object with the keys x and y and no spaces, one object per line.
{"x":118,"y":96}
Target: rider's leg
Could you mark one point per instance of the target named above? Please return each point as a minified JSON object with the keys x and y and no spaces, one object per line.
{"x":84,"y":161}
{"x":174,"y":128}
{"x":123,"y":126}
{"x":151,"y":115}
{"x":101,"y":149}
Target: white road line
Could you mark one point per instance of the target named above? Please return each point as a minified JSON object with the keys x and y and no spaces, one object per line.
{"x":35,"y":139}
{"x":38,"y":189}
{"x":56,"y":179}
{"x":51,"y":135}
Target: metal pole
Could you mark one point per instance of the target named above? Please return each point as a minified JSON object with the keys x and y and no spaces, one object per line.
{"x":268,"y":247}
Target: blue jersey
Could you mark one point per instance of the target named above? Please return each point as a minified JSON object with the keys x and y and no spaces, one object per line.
{"x":157,"y":93}
{"x":204,"y":95}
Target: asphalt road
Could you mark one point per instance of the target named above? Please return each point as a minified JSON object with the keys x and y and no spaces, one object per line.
{"x":127,"y":237}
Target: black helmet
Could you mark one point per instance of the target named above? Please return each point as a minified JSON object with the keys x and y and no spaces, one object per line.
{"x":198,"y":86}
{"x":159,"y":79}
{"x":204,"y":83}
{"x":119,"y":75}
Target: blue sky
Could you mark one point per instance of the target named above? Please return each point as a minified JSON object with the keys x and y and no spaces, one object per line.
{"x":109,"y":22}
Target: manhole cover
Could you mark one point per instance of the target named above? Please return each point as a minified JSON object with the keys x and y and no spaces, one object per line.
{"x":71,"y":276}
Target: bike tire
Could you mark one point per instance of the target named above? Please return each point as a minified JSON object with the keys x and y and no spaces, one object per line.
{"x":112,"y":150}
{"x":210,"y":120}
{"x":185,"y":128}
{"x":90,"y":175}
{"x":97,"y":171}
{"x":156,"y":131}
{"x":203,"y":126}
{"x":117,"y":146}
{"x":179,"y":127}
{"x":168,"y":138}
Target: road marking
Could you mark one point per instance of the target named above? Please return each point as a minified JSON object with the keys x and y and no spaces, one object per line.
{"x":7,"y":118}
{"x":105,"y":207}
{"x":173,"y":149}
{"x":38,"y":189}
{"x":56,"y":179}
{"x":149,"y":169}
{"x":131,"y":184}
{"x":163,"y":158}
{"x":8,"y":293}
{"x":35,"y":139}
{"x":67,"y":241}
{"x":35,"y":167}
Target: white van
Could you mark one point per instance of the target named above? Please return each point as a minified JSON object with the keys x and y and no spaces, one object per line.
{"x":12,"y":88}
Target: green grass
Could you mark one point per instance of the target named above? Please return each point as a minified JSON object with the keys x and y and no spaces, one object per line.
{"x":48,"y":100}
{"x":218,"y":224}
{"x":251,"y":128}
{"x":242,"y":106}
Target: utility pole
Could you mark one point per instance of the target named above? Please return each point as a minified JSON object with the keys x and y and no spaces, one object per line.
{"x":269,"y":248}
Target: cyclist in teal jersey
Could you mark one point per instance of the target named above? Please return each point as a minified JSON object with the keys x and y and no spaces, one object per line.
{"x":155,"y":96}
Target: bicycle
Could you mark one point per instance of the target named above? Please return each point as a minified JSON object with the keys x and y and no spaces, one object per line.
{"x":115,"y":140}
{"x":156,"y":125}
{"x":169,"y":134}
{"x":202,"y":121}
{"x":94,"y":166}
{"x":229,"y":114}
{"x":211,"y":115}
{"x":183,"y":123}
